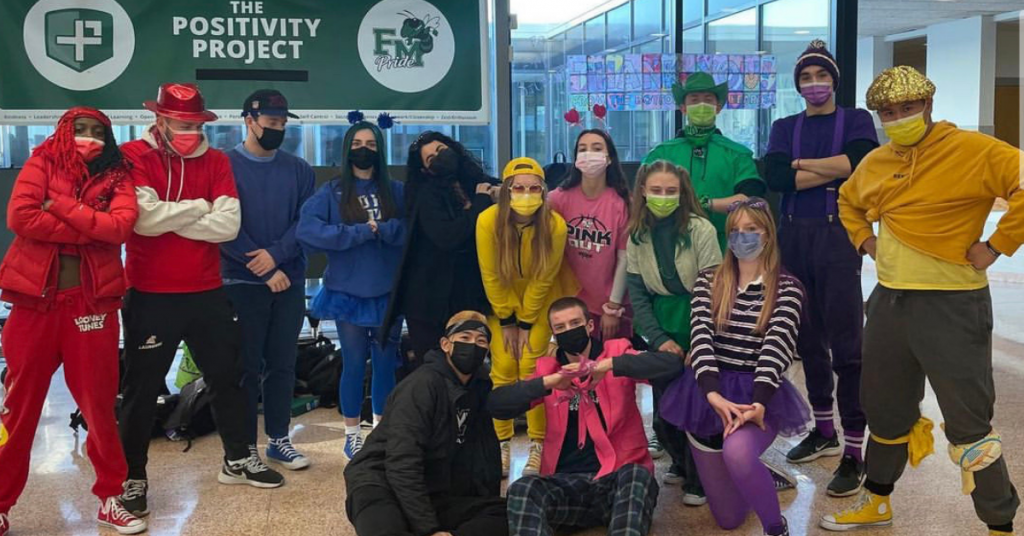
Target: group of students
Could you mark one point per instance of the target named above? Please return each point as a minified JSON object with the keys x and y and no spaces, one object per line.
{"x":689,"y":266}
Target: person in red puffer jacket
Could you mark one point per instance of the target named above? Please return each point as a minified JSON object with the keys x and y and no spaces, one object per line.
{"x":188,"y":206}
{"x":71,"y":209}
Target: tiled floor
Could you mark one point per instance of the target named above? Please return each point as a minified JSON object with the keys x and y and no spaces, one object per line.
{"x":187,"y":500}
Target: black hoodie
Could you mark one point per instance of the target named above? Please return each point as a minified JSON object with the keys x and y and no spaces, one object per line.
{"x":435,"y":440}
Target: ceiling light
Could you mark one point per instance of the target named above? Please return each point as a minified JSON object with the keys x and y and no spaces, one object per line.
{"x":802,"y":32}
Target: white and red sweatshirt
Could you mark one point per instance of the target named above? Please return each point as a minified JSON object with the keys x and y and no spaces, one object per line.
{"x":187,"y":207}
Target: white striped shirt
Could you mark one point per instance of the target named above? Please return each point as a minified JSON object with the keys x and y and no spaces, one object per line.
{"x":738,"y":347}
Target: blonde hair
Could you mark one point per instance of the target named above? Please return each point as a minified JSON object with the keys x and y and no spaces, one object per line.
{"x":640,"y":218}
{"x":724,"y":286}
{"x":508,"y":235}
{"x":464,"y":316}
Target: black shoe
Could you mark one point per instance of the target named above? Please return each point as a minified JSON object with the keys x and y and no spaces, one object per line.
{"x":251,"y":471}
{"x":784,"y":531}
{"x":133,"y":498}
{"x":814,"y":446}
{"x":848,"y":478}
{"x":782,"y":479}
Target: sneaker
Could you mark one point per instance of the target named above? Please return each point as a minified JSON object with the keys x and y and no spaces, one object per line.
{"x":814,"y":446}
{"x":694,"y":498}
{"x":282,"y":452}
{"x":848,"y":478}
{"x":990,"y":533}
{"x":251,"y":471}
{"x":113,"y":515}
{"x":655,"y":449}
{"x":533,"y":460}
{"x":506,"y":457}
{"x":5,"y":525}
{"x":673,"y":476}
{"x":353,"y":444}
{"x":133,"y":498}
{"x":871,"y":511}
{"x":782,"y":479}
{"x":783,"y":532}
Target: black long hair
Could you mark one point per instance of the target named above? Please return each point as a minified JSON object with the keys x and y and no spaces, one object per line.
{"x":616,"y":177}
{"x":111,"y":156}
{"x":351,"y":210}
{"x":471,"y":171}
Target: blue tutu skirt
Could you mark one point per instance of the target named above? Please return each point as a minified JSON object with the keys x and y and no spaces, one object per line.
{"x":339,"y":306}
{"x":686,"y":407}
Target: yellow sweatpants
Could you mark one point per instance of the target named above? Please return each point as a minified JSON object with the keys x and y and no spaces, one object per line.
{"x":505,"y":370}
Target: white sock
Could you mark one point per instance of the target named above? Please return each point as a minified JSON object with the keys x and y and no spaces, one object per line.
{"x":352,"y":430}
{"x":376,"y":420}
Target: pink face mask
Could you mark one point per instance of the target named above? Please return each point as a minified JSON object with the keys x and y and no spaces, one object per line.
{"x":817,"y":93}
{"x":185,"y":142}
{"x":591,"y":163}
{"x":89,"y":148}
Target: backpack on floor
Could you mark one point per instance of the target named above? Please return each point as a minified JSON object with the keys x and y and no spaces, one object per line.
{"x":193,"y":415}
{"x":310,"y":353}
{"x":557,"y":171}
{"x":324,"y":379}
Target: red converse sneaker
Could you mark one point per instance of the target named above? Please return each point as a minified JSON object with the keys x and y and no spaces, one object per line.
{"x":112,"y":514}
{"x":4,"y":525}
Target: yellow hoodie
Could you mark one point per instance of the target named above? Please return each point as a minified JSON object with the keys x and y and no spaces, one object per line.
{"x":527,"y":299}
{"x":936,"y":196}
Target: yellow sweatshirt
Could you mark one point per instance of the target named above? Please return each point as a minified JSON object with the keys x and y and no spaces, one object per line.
{"x":527,"y":299}
{"x":935,"y":197}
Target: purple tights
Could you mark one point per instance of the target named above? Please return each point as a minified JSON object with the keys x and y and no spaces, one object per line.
{"x":736,"y":481}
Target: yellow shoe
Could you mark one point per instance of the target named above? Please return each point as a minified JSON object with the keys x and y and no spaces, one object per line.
{"x":872,"y":511}
{"x":506,"y":457}
{"x":999,"y":533}
{"x":533,"y":461}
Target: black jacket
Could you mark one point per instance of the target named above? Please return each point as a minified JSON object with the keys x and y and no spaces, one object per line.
{"x":415,"y":453}
{"x":440,"y":272}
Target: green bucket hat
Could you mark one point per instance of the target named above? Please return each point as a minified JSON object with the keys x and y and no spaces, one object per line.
{"x":700,"y":83}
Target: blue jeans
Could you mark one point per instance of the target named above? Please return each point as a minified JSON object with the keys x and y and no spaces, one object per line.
{"x":357,"y":343}
{"x":270,"y":330}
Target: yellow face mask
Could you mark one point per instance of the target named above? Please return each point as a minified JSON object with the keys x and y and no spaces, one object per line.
{"x":526,"y":204}
{"x":907,"y":131}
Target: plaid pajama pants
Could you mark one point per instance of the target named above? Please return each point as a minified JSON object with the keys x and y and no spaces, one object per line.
{"x":623,"y":501}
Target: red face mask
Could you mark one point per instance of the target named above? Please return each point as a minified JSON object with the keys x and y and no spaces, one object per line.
{"x":185,"y":142}
{"x":89,"y":148}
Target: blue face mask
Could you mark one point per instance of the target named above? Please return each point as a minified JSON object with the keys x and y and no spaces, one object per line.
{"x":745,"y":246}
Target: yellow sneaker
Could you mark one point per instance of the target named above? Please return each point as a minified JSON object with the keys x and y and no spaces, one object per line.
{"x":533,"y":460}
{"x":506,"y":457}
{"x":871,"y":511}
{"x":999,"y":533}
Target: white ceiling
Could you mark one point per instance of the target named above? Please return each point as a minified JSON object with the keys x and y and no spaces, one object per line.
{"x":887,"y":17}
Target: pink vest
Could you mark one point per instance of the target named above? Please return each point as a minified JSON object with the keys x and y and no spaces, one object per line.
{"x":623,"y":443}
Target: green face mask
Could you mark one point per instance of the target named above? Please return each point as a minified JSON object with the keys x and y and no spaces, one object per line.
{"x":662,"y":206}
{"x":701,"y":115}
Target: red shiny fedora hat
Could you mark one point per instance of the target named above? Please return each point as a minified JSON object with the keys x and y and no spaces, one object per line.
{"x":180,"y":101}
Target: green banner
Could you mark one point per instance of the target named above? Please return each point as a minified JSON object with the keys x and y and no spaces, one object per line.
{"x":421,"y":61}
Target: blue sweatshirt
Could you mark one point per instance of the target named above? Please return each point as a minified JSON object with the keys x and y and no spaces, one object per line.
{"x":359,"y":262}
{"x":272,"y":191}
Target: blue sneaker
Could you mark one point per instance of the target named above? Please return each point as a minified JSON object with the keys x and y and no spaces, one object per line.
{"x":353,"y":444}
{"x":282,"y":452}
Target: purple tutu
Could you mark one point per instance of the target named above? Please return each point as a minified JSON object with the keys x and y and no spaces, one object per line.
{"x":686,"y":407}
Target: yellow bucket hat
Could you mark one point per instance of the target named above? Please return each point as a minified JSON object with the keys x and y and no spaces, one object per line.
{"x":899,"y":84}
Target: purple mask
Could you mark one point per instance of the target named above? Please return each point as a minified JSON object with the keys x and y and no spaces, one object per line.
{"x":816,"y":93}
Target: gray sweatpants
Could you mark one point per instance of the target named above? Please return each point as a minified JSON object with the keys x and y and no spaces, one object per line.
{"x":945,"y":336}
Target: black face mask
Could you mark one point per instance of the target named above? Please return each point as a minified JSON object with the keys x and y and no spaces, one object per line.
{"x":271,"y":139}
{"x":363,"y":158}
{"x":445,"y":164}
{"x":467,"y":357}
{"x":573,"y":341}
